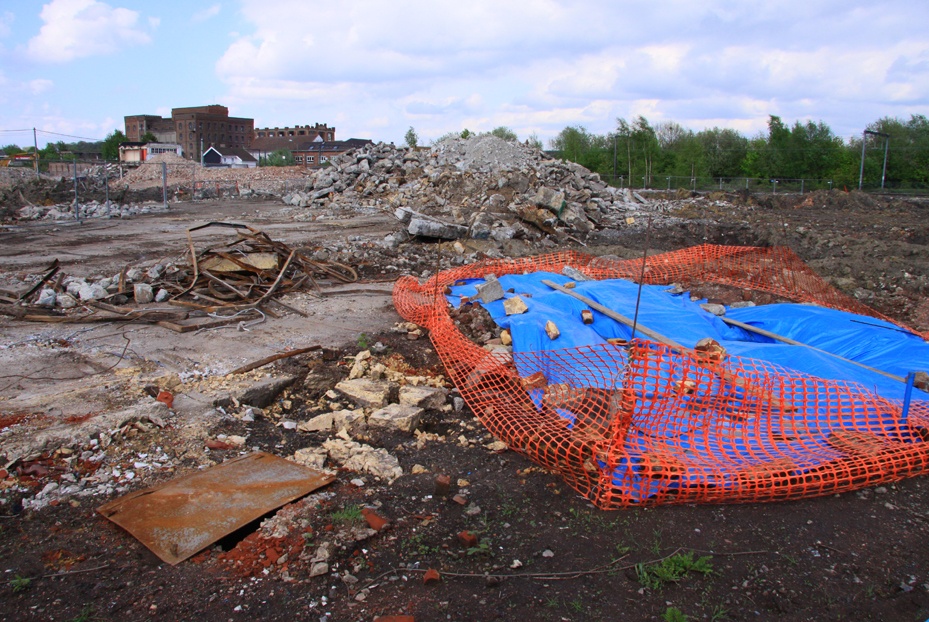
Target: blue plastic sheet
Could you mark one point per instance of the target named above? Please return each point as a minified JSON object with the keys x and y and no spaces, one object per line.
{"x":863,"y":339}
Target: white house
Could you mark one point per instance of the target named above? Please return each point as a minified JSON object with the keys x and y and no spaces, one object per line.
{"x":229,"y":157}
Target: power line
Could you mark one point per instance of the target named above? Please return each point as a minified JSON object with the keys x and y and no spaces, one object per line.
{"x":70,"y":136}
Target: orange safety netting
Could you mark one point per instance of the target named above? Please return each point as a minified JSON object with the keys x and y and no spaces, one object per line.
{"x":678,"y":427}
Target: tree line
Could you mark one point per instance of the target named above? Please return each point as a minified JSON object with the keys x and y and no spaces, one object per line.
{"x":638,"y":153}
{"x":108,"y":148}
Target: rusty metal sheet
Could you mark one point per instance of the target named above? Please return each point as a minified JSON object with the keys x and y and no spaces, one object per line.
{"x":179,"y":518}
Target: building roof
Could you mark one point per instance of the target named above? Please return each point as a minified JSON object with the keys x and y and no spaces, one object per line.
{"x":242,"y":154}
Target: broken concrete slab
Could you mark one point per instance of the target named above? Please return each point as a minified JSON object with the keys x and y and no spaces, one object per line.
{"x":333,"y":421}
{"x":366,"y":392}
{"x":431,"y":228}
{"x":515,"y":305}
{"x":397,"y":416}
{"x":431,"y":398}
{"x":490,"y":290}
{"x":364,"y":458}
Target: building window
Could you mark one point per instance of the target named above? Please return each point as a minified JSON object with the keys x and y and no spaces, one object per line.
{"x":310,"y":159}
{"x":298,"y":159}
{"x":323,"y":158}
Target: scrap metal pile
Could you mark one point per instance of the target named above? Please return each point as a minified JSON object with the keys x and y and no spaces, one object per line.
{"x":237,"y":282}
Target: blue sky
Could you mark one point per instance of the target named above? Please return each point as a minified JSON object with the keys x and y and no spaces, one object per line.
{"x":373,"y":68}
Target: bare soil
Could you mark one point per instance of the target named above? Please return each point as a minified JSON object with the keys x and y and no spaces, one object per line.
{"x":539,"y":552}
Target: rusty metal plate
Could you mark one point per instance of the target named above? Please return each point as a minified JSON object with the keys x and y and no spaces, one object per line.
{"x":179,"y":518}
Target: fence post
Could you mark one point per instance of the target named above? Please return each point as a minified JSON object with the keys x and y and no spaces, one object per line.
{"x":76,"y":204}
{"x":164,"y":183}
{"x":720,"y":183}
{"x":106,"y":186}
{"x":669,"y":184}
{"x":801,"y":186}
{"x":774,"y":183}
{"x":693,"y":183}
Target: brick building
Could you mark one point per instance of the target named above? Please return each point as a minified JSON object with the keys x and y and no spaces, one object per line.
{"x":195,"y":129}
{"x":300,"y":133}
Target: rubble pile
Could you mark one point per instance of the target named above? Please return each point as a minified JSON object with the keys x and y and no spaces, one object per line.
{"x":248,"y":273}
{"x":478,"y":188}
{"x":91,"y":209}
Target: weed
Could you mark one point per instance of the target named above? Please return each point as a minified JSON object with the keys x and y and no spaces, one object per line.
{"x":673,"y":614}
{"x":416,"y":545}
{"x":671,"y":570}
{"x":577,"y":605}
{"x":349,"y":514}
{"x":793,"y":561}
{"x":483,"y":548}
{"x":363,"y":341}
{"x":719,"y":613}
{"x":656,"y":545}
{"x":622,"y":549}
{"x":552,"y":603}
{"x":20,"y":584}
{"x":87,"y":614}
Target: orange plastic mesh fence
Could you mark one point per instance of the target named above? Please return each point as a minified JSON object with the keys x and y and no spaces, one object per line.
{"x":672,"y":426}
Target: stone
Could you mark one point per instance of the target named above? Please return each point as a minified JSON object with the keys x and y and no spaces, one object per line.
{"x":431,"y":228}
{"x":549,"y":199}
{"x":715,"y":309}
{"x":162,"y":295}
{"x":321,"y":423}
{"x":551,"y":329}
{"x":143,"y":293}
{"x":443,"y":485}
{"x":574,"y":273}
{"x":506,"y":338}
{"x":515,"y":305}
{"x":318,"y":569}
{"x":67,"y":301}
{"x":430,"y":398}
{"x":398,"y":416}
{"x":92,"y":291}
{"x":364,"y":458}
{"x":47,"y":298}
{"x":313,"y":457}
{"x":365,"y":392}
{"x":265,"y":392}
{"x":490,"y":290}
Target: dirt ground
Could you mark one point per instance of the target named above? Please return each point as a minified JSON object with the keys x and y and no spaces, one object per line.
{"x":509,"y":540}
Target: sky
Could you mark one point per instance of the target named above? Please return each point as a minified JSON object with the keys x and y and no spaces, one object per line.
{"x":373,"y":69}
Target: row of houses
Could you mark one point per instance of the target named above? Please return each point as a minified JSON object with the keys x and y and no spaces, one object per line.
{"x":209,"y":135}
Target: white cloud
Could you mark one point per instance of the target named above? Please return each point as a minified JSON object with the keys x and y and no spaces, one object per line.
{"x":80,"y":28}
{"x":544,"y":64}
{"x":205,"y":14}
{"x":39,"y":86}
{"x":6,"y":23}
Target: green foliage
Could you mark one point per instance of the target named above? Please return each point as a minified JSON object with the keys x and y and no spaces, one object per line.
{"x":411,"y":138}
{"x":505,"y":133}
{"x":672,"y":570}
{"x":148,"y":137}
{"x":87,"y":614}
{"x":20,"y":584}
{"x":534,"y":142}
{"x":110,"y":148}
{"x":363,"y":341}
{"x":483,"y":548}
{"x":642,"y":154}
{"x":11,"y":149}
{"x":348,"y":514}
{"x":281,"y":157}
{"x":466,"y":133}
{"x":673,"y":614}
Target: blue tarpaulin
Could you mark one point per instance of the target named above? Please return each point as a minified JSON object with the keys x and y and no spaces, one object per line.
{"x":710,"y":436}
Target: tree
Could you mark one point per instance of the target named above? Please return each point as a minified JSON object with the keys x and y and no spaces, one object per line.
{"x":148,"y":137}
{"x":11,"y":149}
{"x":505,"y":133}
{"x":723,"y":151}
{"x":411,"y":138}
{"x":534,"y":142}
{"x":466,"y":133}
{"x":281,"y":157}
{"x":110,"y":150}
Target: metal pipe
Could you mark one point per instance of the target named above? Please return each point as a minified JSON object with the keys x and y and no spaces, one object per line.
{"x":164,"y":183}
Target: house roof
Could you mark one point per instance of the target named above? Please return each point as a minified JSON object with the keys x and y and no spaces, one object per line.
{"x":242,"y":154}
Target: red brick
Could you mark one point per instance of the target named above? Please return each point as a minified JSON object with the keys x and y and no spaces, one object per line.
{"x":467,"y":539}
{"x":375,"y":521}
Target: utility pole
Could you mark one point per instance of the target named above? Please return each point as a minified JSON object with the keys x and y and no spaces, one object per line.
{"x":864,"y":139}
{"x":35,"y":159}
